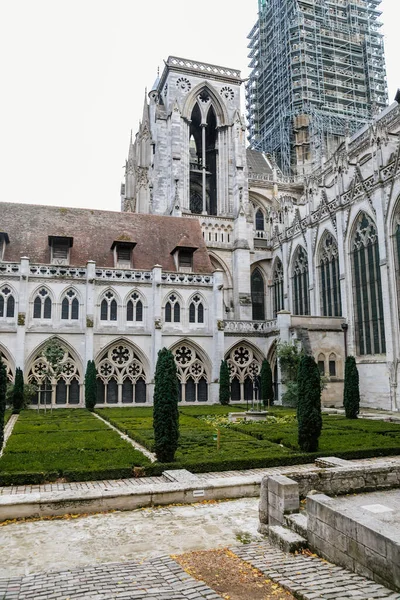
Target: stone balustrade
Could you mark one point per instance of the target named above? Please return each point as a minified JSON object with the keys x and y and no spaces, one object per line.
{"x":9,"y":268}
{"x":257,"y":327}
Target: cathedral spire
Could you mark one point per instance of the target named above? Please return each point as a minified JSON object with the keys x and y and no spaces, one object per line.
{"x":145,"y":117}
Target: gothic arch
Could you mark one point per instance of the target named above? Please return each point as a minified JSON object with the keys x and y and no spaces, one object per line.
{"x":63,"y":387}
{"x":39,"y":349}
{"x":194,"y":371}
{"x":354,"y":219}
{"x":300,"y":281}
{"x":221,"y":112}
{"x":125,"y":342}
{"x":244,"y":362}
{"x":327,"y":263}
{"x":9,"y":362}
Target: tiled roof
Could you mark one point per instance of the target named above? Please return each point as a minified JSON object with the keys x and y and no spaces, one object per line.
{"x":256,"y":163}
{"x":94,"y":231}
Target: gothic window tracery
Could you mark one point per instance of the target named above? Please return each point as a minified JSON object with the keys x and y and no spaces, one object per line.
{"x":121,"y":377}
{"x":62,"y":387}
{"x":172,"y":310}
{"x":367,"y":288}
{"x":108,"y":307}
{"x":70,"y":306}
{"x":301,"y":298}
{"x":134,"y":308}
{"x":257,"y":295}
{"x":7,"y":303}
{"x":397,"y":251}
{"x":192,"y":374}
{"x":10,"y":376}
{"x":42,"y":305}
{"x":244,"y":371}
{"x":331,"y":305}
{"x":278,"y":294}
{"x":196,"y":310}
{"x":260,"y":226}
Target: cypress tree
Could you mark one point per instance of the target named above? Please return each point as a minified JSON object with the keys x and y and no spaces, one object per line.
{"x":224,"y":384}
{"x":267,"y":388}
{"x":351,"y":394}
{"x":90,"y":385}
{"x":309,"y":404}
{"x":165,"y":409}
{"x":3,"y":390}
{"x":18,"y":392}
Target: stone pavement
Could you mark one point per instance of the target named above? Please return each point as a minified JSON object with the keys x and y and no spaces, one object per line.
{"x":306,"y":577}
{"x":310,"y":577}
{"x":157,"y":579}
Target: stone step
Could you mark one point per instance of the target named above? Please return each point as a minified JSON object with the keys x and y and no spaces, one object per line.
{"x":297,"y":523}
{"x":286,"y":540}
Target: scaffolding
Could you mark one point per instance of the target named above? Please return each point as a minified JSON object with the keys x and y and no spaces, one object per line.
{"x":317,"y":74}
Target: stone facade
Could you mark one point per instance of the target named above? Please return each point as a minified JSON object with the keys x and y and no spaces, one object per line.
{"x":225,"y":257}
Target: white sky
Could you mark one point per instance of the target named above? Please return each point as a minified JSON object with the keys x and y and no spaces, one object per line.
{"x":73,"y":75}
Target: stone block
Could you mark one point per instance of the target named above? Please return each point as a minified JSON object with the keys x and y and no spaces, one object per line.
{"x":318,"y":505}
{"x":297,"y":523}
{"x":372,"y":539}
{"x":357,"y":552}
{"x":286,"y":540}
{"x":263,"y":505}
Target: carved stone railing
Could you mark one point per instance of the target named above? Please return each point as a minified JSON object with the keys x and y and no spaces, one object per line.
{"x":278,"y":179}
{"x":57,"y":271}
{"x":124,"y":275}
{"x":259,"y":327}
{"x":9,"y":268}
{"x":201,"y":67}
{"x":187,"y":279}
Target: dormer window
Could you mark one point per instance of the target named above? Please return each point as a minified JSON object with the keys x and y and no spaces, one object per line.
{"x":4,"y":240}
{"x":185,"y":260}
{"x":183,"y":255}
{"x":123,"y":254}
{"x":60,"y":249}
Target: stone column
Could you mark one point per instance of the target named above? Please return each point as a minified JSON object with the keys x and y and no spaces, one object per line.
{"x":241,"y":269}
{"x":217,"y":324}
{"x":284,"y":319}
{"x":23,"y":308}
{"x":90,"y":307}
{"x":155,"y":320}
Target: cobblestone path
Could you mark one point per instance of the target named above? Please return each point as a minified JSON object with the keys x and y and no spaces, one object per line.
{"x":157,"y":579}
{"x":309,"y":577}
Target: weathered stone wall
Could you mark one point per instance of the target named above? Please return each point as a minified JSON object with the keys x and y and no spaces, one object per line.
{"x":357,"y":543}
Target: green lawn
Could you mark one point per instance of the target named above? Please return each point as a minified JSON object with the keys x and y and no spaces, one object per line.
{"x":75,"y":445}
{"x":70,"y":443}
{"x":252,"y":445}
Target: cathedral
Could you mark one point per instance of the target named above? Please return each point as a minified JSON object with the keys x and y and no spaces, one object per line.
{"x":215,"y":255}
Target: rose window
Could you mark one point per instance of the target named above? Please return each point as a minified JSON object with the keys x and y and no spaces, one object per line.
{"x":40,"y":368}
{"x":106,"y":369}
{"x":68,"y":369}
{"x":204,"y":97}
{"x":183,"y":355}
{"x":134,"y":369}
{"x":120,"y":355}
{"x":254,"y":369}
{"x":227,"y":93}
{"x":196,"y":369}
{"x":241,"y":355}
{"x":184,"y":84}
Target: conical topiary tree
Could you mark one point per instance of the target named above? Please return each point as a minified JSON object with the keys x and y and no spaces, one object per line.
{"x":90,"y":385}
{"x":165,"y":409}
{"x":351,"y":394}
{"x":309,"y":404}
{"x":3,"y":390}
{"x":224,"y":384}
{"x":18,"y":392}
{"x":267,"y":388}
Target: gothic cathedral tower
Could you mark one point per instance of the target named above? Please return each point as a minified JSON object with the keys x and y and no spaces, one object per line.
{"x":189,"y":155}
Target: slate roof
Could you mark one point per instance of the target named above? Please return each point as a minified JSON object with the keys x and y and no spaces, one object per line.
{"x":94,"y":231}
{"x":256,"y":163}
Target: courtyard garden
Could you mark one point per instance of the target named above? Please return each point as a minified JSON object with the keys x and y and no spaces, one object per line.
{"x":74,"y":445}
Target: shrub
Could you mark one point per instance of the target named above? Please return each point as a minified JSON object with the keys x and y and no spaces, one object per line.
{"x":224,"y":384}
{"x":90,"y":386}
{"x":351,"y":394}
{"x":267,"y":388}
{"x":309,"y":405}
{"x":165,"y":410}
{"x":18,"y":392}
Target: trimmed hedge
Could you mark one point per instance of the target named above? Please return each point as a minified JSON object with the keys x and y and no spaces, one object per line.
{"x":72,"y":444}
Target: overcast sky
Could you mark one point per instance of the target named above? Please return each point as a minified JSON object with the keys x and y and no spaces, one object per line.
{"x":73,"y":75}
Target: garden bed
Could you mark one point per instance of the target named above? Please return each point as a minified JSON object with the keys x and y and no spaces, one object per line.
{"x":76,"y":446}
{"x":69,"y":444}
